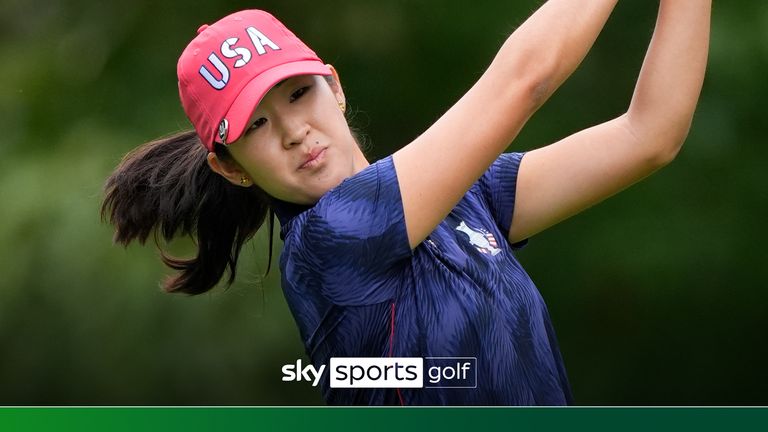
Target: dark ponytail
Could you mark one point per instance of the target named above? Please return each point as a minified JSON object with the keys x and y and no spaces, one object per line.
{"x":166,"y":188}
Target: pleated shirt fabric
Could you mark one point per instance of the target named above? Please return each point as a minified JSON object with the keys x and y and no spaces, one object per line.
{"x":356,"y":289}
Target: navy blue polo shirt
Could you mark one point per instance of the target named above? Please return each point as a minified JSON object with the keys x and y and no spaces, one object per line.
{"x":356,"y":289}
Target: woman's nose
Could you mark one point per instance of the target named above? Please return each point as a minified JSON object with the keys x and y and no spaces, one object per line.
{"x":295,"y":133}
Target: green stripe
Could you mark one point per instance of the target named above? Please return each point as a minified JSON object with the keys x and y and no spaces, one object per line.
{"x":381,"y":419}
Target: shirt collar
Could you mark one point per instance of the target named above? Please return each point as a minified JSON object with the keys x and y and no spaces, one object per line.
{"x":285,"y":212}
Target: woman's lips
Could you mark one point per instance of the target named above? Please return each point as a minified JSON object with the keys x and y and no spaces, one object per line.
{"x":315,"y":158}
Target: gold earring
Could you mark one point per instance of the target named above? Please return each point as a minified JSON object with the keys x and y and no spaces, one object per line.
{"x":342,"y":106}
{"x":243,"y":180}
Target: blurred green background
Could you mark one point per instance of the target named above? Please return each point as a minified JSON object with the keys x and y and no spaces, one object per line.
{"x":658,"y":295}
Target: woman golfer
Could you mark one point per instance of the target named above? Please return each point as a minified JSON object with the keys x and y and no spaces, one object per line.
{"x":412,"y":255}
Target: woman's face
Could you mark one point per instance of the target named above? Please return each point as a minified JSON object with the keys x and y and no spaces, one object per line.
{"x":297,"y":145}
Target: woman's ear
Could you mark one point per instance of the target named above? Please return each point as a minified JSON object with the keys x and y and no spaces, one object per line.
{"x":230,"y":170}
{"x":336,"y":85}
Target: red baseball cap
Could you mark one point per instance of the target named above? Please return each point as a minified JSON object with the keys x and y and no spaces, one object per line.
{"x":230,"y":65}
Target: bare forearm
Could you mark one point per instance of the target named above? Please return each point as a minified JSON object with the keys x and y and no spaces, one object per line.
{"x":560,"y":180}
{"x":672,"y":75}
{"x":548,"y":47}
{"x":438,"y":167}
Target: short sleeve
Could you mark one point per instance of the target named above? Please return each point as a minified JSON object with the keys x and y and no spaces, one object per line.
{"x":498,"y":187}
{"x":358,"y":238}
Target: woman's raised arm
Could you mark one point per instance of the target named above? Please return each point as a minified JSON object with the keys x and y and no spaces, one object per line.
{"x":437,"y":168}
{"x":562,"y":179}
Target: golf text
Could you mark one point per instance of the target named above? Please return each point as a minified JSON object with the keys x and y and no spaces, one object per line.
{"x":388,"y":372}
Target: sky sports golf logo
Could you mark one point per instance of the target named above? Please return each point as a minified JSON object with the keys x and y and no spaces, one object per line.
{"x":389,"y":372}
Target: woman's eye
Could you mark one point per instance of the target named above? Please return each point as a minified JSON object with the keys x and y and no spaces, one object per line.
{"x":299,"y":93}
{"x":258,"y":123}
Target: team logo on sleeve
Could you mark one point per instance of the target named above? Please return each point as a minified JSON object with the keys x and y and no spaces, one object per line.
{"x":482,"y":239}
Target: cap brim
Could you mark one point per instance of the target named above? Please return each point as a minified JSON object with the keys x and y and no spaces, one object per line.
{"x":240,"y":112}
